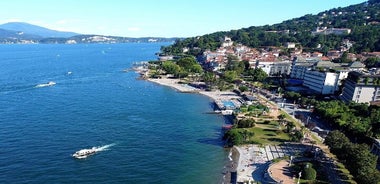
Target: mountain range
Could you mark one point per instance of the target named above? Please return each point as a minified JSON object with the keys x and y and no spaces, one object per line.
{"x":21,"y":32}
{"x":37,"y":31}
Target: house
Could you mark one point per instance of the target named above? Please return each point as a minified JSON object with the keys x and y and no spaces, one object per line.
{"x":290,"y":45}
{"x":227,"y":42}
{"x":316,"y":54}
{"x":335,"y":31}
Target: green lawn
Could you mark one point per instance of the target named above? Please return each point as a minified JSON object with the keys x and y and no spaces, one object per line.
{"x":268,"y":134}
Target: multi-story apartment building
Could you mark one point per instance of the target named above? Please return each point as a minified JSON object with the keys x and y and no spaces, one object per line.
{"x":361,"y":88}
{"x":275,"y":68}
{"x":323,"y":82}
{"x":321,"y":77}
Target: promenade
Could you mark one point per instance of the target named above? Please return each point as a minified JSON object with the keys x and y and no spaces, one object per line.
{"x":254,"y":161}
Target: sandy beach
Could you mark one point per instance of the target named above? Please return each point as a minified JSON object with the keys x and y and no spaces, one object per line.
{"x":184,"y":88}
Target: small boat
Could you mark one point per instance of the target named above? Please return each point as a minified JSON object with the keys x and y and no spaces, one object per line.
{"x":84,"y":153}
{"x":50,"y":83}
{"x":227,"y":112}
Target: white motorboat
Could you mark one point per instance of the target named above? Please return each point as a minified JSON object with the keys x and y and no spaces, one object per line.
{"x":84,"y":153}
{"x":50,"y":83}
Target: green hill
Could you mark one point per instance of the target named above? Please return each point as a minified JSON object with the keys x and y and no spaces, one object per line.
{"x":363,"y":20}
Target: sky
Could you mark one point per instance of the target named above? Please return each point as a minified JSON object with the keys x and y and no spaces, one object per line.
{"x":159,"y":18}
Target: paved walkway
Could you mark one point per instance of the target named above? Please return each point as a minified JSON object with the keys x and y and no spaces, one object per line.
{"x":281,"y":172}
{"x":254,"y":160}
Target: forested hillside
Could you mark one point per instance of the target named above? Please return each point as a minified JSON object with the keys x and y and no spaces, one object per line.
{"x":363,"y":20}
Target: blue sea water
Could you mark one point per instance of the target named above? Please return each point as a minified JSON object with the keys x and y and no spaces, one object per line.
{"x":155,"y":134}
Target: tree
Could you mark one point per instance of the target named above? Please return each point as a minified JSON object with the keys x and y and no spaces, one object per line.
{"x":372,"y":62}
{"x":296,"y":136}
{"x":233,"y":136}
{"x":186,"y":63}
{"x":289,"y":126}
{"x":209,"y":78}
{"x":357,"y":158}
{"x":343,"y":58}
{"x":336,"y":141}
{"x":243,"y":88}
{"x":362,"y":163}
{"x":281,"y":118}
{"x":246,"y":123}
{"x":196,"y":68}
{"x":230,"y":76}
{"x":309,"y":173}
{"x":291,"y":95}
{"x":259,"y":75}
{"x":233,"y":64}
{"x":170,"y":67}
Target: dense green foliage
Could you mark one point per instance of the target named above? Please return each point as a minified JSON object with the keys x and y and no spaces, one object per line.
{"x":291,"y":95}
{"x":233,"y":136}
{"x":356,"y":119}
{"x":357,"y":158}
{"x":309,"y":173}
{"x":246,"y":123}
{"x":182,"y":67}
{"x":361,"y":19}
{"x":372,"y":62}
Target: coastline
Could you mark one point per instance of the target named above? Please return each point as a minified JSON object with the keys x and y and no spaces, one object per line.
{"x":230,"y":169}
{"x":184,"y":88}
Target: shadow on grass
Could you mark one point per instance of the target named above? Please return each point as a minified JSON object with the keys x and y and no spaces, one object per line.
{"x":270,"y":135}
{"x":277,"y":140}
{"x":269,"y":130}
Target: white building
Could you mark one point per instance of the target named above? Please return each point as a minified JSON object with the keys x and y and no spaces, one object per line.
{"x":361,"y":88}
{"x":321,"y":82}
{"x":227,"y":42}
{"x":301,"y":65}
{"x":276,"y":68}
{"x":319,"y":76}
{"x":290,"y":45}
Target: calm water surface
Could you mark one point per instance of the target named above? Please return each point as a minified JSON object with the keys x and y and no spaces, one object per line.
{"x":156,"y":135}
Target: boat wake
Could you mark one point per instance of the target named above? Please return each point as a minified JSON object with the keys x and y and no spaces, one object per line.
{"x":84,"y":153}
{"x":105,"y":147}
{"x":51,"y":83}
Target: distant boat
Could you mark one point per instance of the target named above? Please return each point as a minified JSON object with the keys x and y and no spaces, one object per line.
{"x":227,"y":112}
{"x":51,"y":83}
{"x":84,"y":153}
{"x":69,"y":73}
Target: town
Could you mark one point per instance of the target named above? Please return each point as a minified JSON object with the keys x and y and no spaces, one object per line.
{"x":287,"y":100}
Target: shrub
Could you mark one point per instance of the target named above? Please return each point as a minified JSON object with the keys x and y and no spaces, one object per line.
{"x":309,"y":173}
{"x":246,"y":123}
